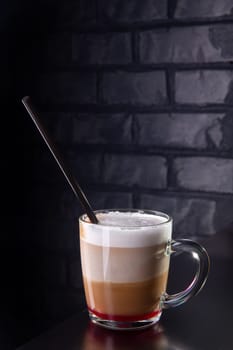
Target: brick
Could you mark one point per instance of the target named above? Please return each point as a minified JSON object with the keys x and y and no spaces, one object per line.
{"x":227,"y":129}
{"x":75,"y":13}
{"x":101,"y":199}
{"x":203,"y":87}
{"x":195,"y":44}
{"x":101,"y":129}
{"x":86,"y":167}
{"x":137,"y":88}
{"x":207,"y":8}
{"x":69,"y":207}
{"x":59,"y":48}
{"x":45,"y":168}
{"x":221,"y":37}
{"x":135,"y":170}
{"x":67,"y":87}
{"x":223,"y":215}
{"x":191,"y":217}
{"x":109,"y":48}
{"x":204,"y":174}
{"x":106,"y":200}
{"x":198,"y":131}
{"x":133,"y":11}
{"x":72,"y":128}
{"x":59,"y":126}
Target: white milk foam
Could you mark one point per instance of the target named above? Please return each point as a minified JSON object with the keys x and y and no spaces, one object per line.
{"x":127,"y":229}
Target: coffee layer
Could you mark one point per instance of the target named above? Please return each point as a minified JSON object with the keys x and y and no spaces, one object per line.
{"x":125,"y":298}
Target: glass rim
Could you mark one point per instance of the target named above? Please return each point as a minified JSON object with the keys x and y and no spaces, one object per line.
{"x":84,"y":217}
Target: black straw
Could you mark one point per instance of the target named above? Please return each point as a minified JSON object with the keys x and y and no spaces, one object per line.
{"x":69,"y":177}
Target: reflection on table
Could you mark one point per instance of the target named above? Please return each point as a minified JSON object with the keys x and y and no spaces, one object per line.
{"x":97,"y":338}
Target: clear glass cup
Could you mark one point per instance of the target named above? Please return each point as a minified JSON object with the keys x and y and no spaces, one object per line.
{"x":125,"y":265}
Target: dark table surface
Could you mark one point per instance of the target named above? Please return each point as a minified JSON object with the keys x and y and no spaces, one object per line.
{"x":205,"y":322}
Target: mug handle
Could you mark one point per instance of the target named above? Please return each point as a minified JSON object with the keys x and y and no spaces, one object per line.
{"x":203,"y":264}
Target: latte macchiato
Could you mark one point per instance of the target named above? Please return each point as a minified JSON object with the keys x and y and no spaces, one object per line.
{"x":124,"y":264}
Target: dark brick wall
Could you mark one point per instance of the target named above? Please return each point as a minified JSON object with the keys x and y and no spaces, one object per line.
{"x":139,"y":98}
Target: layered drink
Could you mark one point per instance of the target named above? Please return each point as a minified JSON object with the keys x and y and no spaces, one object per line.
{"x":124,"y":264}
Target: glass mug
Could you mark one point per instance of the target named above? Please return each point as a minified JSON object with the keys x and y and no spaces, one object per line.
{"x":125,"y":264}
